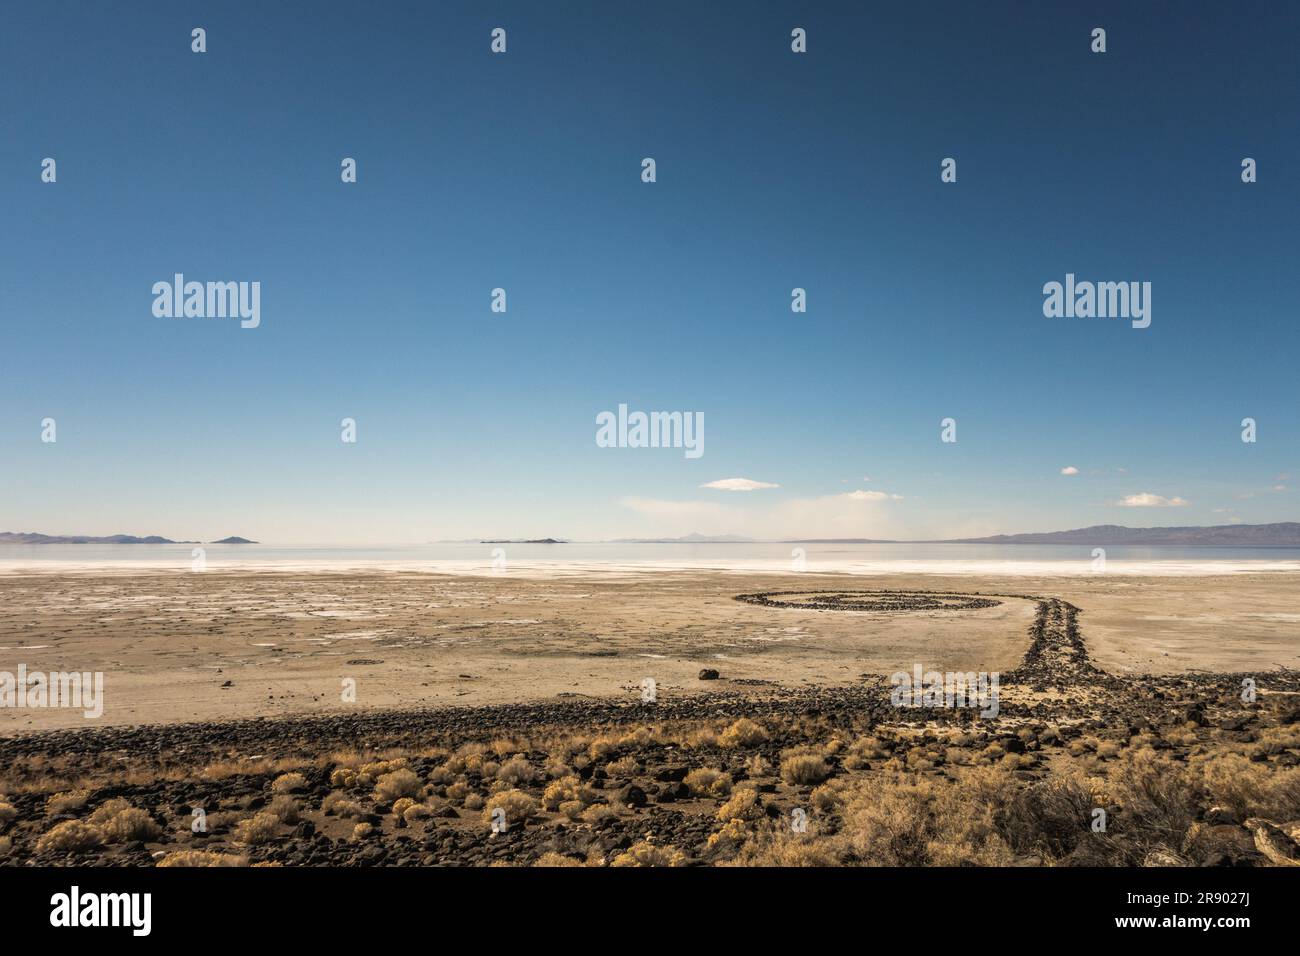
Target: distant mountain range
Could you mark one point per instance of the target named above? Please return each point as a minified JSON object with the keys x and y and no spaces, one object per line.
{"x":1283,"y":534}
{"x":31,"y":537}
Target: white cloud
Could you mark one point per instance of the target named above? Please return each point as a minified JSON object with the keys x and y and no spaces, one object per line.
{"x":862,"y":495}
{"x":738,"y":484}
{"x":1148,"y":500}
{"x":1069,"y":470}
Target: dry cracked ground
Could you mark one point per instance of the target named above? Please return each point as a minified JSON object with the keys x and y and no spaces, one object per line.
{"x":1078,"y":767}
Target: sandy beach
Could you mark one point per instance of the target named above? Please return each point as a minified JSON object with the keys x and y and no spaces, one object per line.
{"x":239,"y":644}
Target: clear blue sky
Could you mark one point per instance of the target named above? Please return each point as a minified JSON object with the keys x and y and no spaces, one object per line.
{"x":522,"y":171}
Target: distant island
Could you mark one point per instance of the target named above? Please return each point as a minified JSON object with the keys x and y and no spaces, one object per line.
{"x":31,"y":537}
{"x":526,"y":541}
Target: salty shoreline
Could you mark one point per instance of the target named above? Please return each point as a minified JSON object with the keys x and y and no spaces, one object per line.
{"x":608,"y":569}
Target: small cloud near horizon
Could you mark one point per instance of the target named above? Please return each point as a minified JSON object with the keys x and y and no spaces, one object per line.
{"x":1147,"y":500}
{"x":1069,"y":470}
{"x":738,"y":484}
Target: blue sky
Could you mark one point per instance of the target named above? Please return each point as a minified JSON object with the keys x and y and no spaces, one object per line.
{"x":522,"y":171}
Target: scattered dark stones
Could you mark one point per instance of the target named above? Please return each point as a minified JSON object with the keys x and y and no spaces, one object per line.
{"x":632,"y":796}
{"x":869,"y":600}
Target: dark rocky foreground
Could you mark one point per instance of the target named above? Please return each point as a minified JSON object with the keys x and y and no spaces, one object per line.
{"x":636,"y":772}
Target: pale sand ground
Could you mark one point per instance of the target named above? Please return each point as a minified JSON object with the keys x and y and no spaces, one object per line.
{"x":167,"y":641}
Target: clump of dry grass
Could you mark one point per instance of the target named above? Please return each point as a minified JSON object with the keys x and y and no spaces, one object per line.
{"x":285,"y":809}
{"x":743,"y":733}
{"x":7,"y":812}
{"x":598,"y":813}
{"x":119,"y":822}
{"x":66,"y":801}
{"x":921,"y":821}
{"x":829,"y":797}
{"x":1108,"y":749}
{"x":201,"y":858}
{"x":784,"y":848}
{"x":397,"y":783}
{"x":743,"y":805}
{"x":416,"y":811}
{"x":867,"y":751}
{"x":701,"y":737}
{"x":504,"y":746}
{"x":552,"y":859}
{"x":368,"y":774}
{"x":70,"y":836}
{"x":341,"y":805}
{"x":518,"y":806}
{"x":258,"y":829}
{"x":557,"y":766}
{"x":1051,"y":817}
{"x":516,"y":772}
{"x":343,"y":778}
{"x":1247,"y":788}
{"x":289,"y":783}
{"x":623,"y":767}
{"x":804,"y":768}
{"x":705,"y":782}
{"x":648,"y":854}
{"x":1159,"y":800}
{"x":730,"y":838}
{"x":458,"y":791}
{"x":562,"y":791}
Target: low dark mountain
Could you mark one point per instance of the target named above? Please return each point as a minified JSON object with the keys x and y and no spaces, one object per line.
{"x":233,"y":539}
{"x":31,"y":537}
